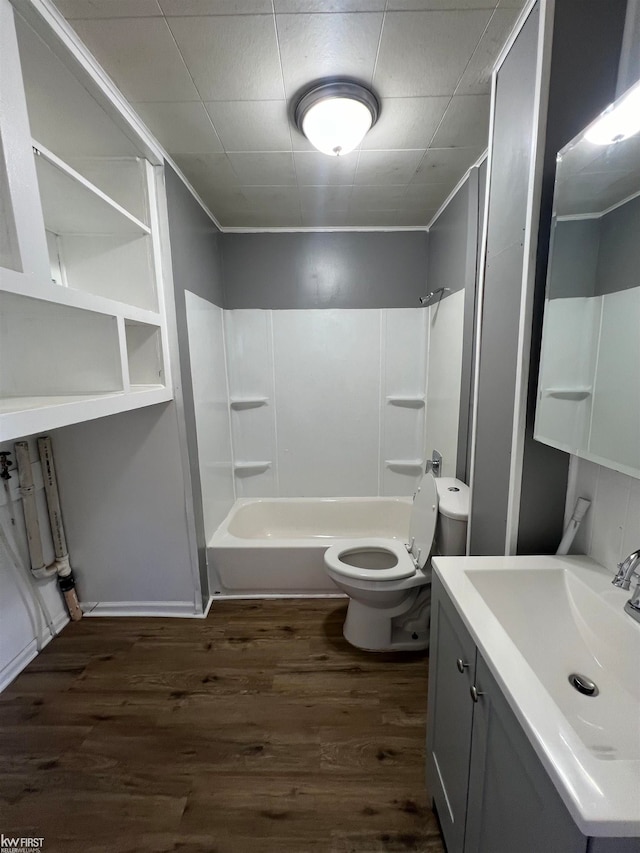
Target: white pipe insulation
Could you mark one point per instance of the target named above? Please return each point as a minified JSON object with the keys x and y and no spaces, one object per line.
{"x":28,"y":494}
{"x":60,"y":566}
{"x":63,"y":566}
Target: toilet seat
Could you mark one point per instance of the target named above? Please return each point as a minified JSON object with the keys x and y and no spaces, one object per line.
{"x":404,"y":567}
{"x":409,"y":558}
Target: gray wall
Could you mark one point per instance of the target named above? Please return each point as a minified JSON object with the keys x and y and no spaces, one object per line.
{"x":619,"y":256}
{"x":582,"y":82}
{"x":452,"y":262}
{"x":513,"y":128}
{"x":325,"y":270}
{"x":574,"y":247}
{"x":593,"y":257}
{"x":197,"y":266}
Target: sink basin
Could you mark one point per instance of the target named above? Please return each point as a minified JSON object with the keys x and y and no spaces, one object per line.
{"x":561,"y":626}
{"x":535,"y":621}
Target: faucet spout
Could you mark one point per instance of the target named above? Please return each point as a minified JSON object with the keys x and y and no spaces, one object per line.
{"x":626,"y":570}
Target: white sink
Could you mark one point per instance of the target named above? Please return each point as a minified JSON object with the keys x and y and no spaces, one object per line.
{"x":561,"y":626}
{"x":537,"y":620}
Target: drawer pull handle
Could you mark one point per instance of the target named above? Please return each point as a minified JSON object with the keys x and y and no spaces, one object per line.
{"x":461,"y":665}
{"x":475,"y":693}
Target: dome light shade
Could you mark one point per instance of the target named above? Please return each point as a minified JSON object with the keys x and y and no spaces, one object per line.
{"x":336,"y":116}
{"x":618,"y":122}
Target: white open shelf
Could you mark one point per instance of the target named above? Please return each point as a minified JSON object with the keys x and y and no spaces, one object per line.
{"x":144,"y":355}
{"x":82,"y":319}
{"x":73,"y":205}
{"x":13,"y":282}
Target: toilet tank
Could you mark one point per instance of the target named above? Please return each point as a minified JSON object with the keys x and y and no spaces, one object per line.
{"x":453,"y":514}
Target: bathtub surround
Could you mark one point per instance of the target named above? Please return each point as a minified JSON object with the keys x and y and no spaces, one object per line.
{"x":211,"y":408}
{"x":327,"y":403}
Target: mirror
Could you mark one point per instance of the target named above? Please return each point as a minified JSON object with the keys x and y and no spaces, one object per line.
{"x":589,"y":383}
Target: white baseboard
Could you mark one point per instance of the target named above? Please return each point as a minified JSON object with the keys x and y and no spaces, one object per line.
{"x":13,"y":669}
{"x":179,"y":609}
{"x":238,"y":596}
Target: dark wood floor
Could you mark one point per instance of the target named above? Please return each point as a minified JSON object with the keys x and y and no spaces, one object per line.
{"x":258,"y":729}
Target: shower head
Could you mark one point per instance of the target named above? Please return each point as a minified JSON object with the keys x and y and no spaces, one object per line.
{"x":434,"y":296}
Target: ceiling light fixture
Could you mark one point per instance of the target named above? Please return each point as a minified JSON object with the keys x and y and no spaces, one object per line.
{"x":336,"y":115}
{"x":619,"y":121}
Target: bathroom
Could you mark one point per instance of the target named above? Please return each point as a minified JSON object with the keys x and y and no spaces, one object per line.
{"x":250,"y":354}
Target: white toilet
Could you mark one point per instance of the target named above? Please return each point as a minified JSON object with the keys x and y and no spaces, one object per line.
{"x":389,"y":582}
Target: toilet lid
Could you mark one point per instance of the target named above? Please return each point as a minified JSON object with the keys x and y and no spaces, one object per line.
{"x":424,"y":516}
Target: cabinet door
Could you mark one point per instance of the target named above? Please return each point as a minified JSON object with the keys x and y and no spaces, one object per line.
{"x":513,"y":805}
{"x":450,"y":712}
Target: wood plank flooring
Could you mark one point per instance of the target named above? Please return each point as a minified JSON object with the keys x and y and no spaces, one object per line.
{"x":258,"y":729}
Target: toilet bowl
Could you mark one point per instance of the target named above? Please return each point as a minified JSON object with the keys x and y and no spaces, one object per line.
{"x":388,"y":581}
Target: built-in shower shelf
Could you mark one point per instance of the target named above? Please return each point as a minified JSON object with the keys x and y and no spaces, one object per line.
{"x":568,"y":393}
{"x":408,"y":402}
{"x":240,"y":403}
{"x":251,"y":469}
{"x":405,"y":466}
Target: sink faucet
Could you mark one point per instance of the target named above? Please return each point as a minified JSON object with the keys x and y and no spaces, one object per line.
{"x":628,"y":569}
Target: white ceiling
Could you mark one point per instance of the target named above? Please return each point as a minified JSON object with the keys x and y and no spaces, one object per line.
{"x":215,"y":81}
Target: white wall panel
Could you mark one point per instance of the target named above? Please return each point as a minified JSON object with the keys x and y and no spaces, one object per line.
{"x":327,"y":425}
{"x":249,"y":343}
{"x":610,"y":529}
{"x":443,"y":382}
{"x":405,"y":335}
{"x":211,"y":401}
{"x":568,"y":360}
{"x":615,"y":422}
{"x":327,"y":368}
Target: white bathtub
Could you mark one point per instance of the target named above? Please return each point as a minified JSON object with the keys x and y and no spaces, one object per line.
{"x":276,"y":545}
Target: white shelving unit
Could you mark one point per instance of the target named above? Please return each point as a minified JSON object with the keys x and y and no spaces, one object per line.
{"x":83,"y":329}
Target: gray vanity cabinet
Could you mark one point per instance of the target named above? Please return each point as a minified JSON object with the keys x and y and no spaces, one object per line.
{"x":450,"y":716}
{"x":512,"y":803}
{"x":488,"y":785}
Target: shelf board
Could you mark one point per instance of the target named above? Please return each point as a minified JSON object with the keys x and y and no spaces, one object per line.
{"x":21,"y":416}
{"x":241,"y":403}
{"x":405,"y":466}
{"x":73,"y":205}
{"x":251,"y":469}
{"x":568,"y":393}
{"x":24,"y":285}
{"x":408,"y":402}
